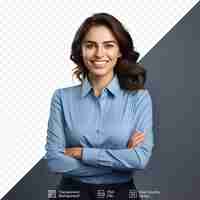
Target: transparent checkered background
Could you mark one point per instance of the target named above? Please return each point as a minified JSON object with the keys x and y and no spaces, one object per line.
{"x":35,"y":39}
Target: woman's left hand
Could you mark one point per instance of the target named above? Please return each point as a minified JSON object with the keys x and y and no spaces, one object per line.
{"x":135,"y":139}
{"x":75,"y":152}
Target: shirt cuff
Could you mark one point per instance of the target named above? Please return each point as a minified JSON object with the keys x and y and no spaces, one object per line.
{"x":90,"y":155}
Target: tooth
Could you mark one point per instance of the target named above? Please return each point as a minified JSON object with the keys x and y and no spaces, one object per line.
{"x":100,"y":61}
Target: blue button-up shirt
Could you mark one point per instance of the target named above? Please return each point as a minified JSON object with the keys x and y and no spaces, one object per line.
{"x":102,"y":126}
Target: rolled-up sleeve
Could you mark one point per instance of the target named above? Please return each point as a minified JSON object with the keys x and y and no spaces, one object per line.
{"x":128,"y":159}
{"x":56,"y":143}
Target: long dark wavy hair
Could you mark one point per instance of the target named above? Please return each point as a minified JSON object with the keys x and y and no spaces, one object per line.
{"x":130,"y":73}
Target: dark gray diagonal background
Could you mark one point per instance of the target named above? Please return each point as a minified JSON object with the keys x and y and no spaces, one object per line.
{"x":173,"y":79}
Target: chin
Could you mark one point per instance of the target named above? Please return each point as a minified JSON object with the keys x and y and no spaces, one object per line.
{"x":99,"y":73}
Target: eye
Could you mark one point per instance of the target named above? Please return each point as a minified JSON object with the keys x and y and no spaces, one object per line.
{"x":108,"y":46}
{"x":89,"y":46}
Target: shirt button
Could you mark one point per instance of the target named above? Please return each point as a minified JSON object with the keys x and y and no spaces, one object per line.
{"x":98,"y":131}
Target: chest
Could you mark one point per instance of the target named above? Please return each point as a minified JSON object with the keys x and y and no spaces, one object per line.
{"x":105,"y":123}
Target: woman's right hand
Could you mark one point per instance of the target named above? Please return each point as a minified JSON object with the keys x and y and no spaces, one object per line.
{"x":135,"y":139}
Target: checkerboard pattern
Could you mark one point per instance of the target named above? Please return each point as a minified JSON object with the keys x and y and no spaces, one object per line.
{"x":35,"y":46}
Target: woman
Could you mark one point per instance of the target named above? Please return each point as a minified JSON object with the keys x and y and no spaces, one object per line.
{"x":100,"y":132}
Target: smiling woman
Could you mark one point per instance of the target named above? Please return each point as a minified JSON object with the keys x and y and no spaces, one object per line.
{"x":100,"y":132}
{"x":100,"y":52}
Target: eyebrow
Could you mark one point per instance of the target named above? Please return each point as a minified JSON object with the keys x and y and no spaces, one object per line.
{"x":105,"y":42}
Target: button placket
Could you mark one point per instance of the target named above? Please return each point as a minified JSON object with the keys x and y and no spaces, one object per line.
{"x":101,"y":107}
{"x":100,"y":101}
{"x":100,"y":117}
{"x":97,"y":131}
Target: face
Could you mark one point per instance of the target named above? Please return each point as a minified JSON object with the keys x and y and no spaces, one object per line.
{"x":100,"y":51}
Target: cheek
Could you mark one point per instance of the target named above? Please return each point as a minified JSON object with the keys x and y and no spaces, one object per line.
{"x":114,"y":58}
{"x":114,"y":55}
{"x":87,"y":53}
{"x":85,"y":57}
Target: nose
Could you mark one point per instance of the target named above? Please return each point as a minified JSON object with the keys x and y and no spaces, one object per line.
{"x":99,"y":52}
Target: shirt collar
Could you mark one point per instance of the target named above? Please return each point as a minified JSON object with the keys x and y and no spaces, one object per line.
{"x":113,"y":87}
{"x":86,"y":87}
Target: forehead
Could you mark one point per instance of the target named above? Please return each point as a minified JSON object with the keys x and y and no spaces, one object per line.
{"x":99,"y":34}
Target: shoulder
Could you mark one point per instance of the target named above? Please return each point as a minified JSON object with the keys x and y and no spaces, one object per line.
{"x":140,"y":96}
{"x":70,"y":90}
{"x":61,"y":93}
{"x":142,"y":93}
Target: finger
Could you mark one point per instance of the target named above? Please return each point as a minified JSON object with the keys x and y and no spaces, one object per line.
{"x":132,"y":140}
{"x":65,"y":151}
{"x":137,"y":135}
{"x":68,"y":151}
{"x":139,"y":141}
{"x":136,"y":138}
{"x":136,"y":142}
{"x":130,"y":144}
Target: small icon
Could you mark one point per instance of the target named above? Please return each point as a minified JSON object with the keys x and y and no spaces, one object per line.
{"x":101,"y":194}
{"x":110,"y":194}
{"x":51,"y":194}
{"x":132,"y":194}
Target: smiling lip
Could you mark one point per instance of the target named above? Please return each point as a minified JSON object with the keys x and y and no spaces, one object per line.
{"x":100,"y":63}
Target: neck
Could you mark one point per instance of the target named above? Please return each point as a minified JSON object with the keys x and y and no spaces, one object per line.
{"x":99,"y":82}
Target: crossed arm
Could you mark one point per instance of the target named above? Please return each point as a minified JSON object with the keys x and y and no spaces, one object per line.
{"x":78,"y":161}
{"x":77,"y":152}
{"x":135,"y":156}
